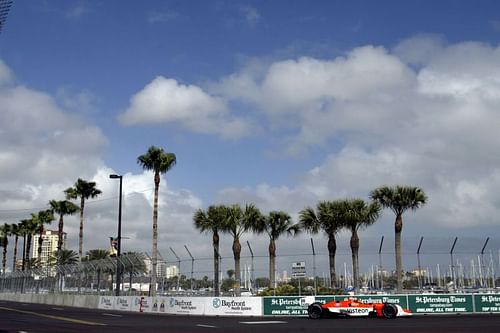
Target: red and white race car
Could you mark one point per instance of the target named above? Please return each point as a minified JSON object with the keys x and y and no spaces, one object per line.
{"x":352,"y":307}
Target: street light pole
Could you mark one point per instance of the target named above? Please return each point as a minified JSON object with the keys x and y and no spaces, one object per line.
{"x":119,"y":240}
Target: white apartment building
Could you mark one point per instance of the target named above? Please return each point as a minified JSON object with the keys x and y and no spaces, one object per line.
{"x":49,"y":245}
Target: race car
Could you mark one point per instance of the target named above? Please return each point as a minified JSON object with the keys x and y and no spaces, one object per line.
{"x":352,"y":307}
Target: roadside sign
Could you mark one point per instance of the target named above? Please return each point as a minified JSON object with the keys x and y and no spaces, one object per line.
{"x":299,"y":269}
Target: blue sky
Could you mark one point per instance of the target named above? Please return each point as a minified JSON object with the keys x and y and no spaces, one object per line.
{"x":280,"y":103}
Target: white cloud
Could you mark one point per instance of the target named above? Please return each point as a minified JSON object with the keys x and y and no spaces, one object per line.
{"x":44,"y":149}
{"x":6,"y":76}
{"x":425,"y":114}
{"x":82,"y":101}
{"x":167,"y":101}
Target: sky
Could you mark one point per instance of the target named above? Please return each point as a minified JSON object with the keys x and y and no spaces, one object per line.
{"x":277,"y":103}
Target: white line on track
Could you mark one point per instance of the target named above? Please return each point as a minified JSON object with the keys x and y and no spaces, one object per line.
{"x":208,"y":326}
{"x":58,"y":309}
{"x":262,"y":322}
{"x":111,"y":315}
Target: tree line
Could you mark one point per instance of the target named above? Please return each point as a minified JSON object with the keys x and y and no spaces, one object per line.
{"x":35,"y":225}
{"x":328,"y":217}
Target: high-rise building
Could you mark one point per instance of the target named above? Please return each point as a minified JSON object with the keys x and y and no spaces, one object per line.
{"x":49,"y":245}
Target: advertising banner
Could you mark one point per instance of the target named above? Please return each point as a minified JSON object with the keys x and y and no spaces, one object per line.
{"x":396,"y":299}
{"x":147,"y":304}
{"x":158,"y":304}
{"x":106,"y":302}
{"x":237,"y":306}
{"x":487,"y":303}
{"x":284,"y":306}
{"x":186,"y":305}
{"x":135,"y":303}
{"x":123,"y":303}
{"x":440,"y":303}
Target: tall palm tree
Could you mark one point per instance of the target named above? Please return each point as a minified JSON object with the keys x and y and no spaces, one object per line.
{"x":236,"y":222}
{"x":16,"y":231}
{"x":399,"y":199}
{"x":159,"y":161}
{"x":30,"y":228}
{"x":212,"y":221}
{"x":84,"y":190}
{"x":23,"y":231}
{"x":328,"y":218}
{"x":43,"y":217}
{"x":5,"y":232}
{"x":358,"y":215}
{"x":274,"y":225}
{"x":62,"y":208}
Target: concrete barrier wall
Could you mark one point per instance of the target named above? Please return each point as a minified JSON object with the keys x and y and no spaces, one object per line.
{"x":260,"y":306}
{"x":81,"y":301}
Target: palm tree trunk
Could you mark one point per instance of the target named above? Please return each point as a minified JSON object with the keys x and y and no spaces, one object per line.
{"x":40,"y":241}
{"x":272,"y":263}
{"x":14,"y":258}
{"x":155,"y":236}
{"x":355,"y":262}
{"x":332,"y":249}
{"x":60,"y":237}
{"x":398,"y":227}
{"x":98,"y":281}
{"x":80,"y":238}
{"x":4,"y":258}
{"x":215,"y":242}
{"x":28,"y":250}
{"x":24,"y":252}
{"x":237,"y":272}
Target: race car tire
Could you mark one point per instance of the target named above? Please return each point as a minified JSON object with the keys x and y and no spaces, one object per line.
{"x":315,"y":311}
{"x":389,"y":310}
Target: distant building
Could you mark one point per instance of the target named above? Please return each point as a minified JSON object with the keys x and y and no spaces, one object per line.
{"x":172,"y":271}
{"x":49,"y":245}
{"x":419,"y":272}
{"x":162,"y":270}
{"x":285,"y":277}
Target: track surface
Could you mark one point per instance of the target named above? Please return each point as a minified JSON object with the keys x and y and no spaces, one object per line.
{"x":38,"y":318}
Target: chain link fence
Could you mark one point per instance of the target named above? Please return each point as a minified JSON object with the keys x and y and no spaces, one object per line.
{"x":431,"y":264}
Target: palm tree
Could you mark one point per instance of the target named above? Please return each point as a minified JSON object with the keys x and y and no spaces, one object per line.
{"x":212,"y":221}
{"x":159,"y":161}
{"x":30,"y":227}
{"x":236,"y":222}
{"x":328,"y":218}
{"x":23,"y":231}
{"x":63,"y":257}
{"x":83,"y":190}
{"x":62,"y":208}
{"x":274,"y":225}
{"x":43,"y":217}
{"x":97,"y":254}
{"x":358,"y":215}
{"x":135,"y":265}
{"x":399,"y":199}
{"x":5,"y":232}
{"x":16,"y":231}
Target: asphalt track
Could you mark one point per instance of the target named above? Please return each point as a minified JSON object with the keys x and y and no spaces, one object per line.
{"x":38,"y":318}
